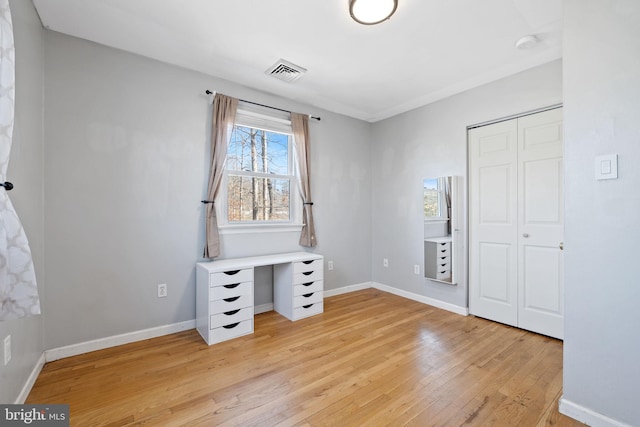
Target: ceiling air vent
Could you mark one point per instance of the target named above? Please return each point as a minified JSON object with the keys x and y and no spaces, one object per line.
{"x":286,"y":71}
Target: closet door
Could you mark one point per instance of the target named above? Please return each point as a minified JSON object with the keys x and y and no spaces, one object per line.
{"x":516,"y":222}
{"x":493,"y":220}
{"x":540,"y":223}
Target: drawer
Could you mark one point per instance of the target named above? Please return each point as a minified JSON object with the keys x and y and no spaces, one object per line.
{"x":443,"y":252}
{"x":442,"y":275}
{"x":305,"y":288}
{"x":443,"y":266}
{"x":310,"y":265}
{"x":229,"y":331}
{"x":307,"y":310}
{"x":231,"y":290}
{"x":229,"y":304}
{"x":443,"y":245}
{"x":231,"y":276}
{"x":307,"y":276}
{"x":442,"y":259}
{"x":229,"y":317}
{"x":309,"y":298}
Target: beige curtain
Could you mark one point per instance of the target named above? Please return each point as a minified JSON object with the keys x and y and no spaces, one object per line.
{"x":300,"y":126}
{"x":224,"y":115}
{"x":18,"y":288}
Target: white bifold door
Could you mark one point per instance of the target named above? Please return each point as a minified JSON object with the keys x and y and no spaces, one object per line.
{"x":516,"y":222}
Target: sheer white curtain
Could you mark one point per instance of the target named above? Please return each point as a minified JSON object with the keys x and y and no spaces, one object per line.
{"x":224,"y":115}
{"x":18,"y":288}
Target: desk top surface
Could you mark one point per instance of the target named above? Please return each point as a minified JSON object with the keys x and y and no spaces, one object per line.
{"x":257,"y":261}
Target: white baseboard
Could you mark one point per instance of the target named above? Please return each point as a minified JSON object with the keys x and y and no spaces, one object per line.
{"x":586,"y":415}
{"x":463,"y":311}
{"x":112,"y":341}
{"x":347,"y":289}
{"x":263,"y":308}
{"x":26,"y":389}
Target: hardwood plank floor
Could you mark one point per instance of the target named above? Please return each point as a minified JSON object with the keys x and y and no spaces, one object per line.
{"x":371,"y":359}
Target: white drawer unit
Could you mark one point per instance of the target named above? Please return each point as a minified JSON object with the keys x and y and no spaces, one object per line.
{"x":437,"y":258}
{"x":224,"y":304}
{"x":225,"y":288}
{"x":305,"y":297}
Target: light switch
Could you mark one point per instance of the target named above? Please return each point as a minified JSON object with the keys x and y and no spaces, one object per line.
{"x":607,"y":167}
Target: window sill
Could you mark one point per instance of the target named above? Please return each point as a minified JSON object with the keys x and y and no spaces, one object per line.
{"x":259,"y":228}
{"x":431,"y":220}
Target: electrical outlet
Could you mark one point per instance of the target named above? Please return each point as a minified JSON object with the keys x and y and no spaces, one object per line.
{"x":7,"y":350}
{"x":330,"y":265}
{"x":416,"y":269}
{"x":385,"y":263}
{"x":162,"y":290}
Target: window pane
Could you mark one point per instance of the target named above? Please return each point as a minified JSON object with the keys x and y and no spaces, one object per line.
{"x":431,"y":198}
{"x":258,"y":151}
{"x":257,"y":199}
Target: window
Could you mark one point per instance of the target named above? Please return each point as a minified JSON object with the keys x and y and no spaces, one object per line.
{"x":260,"y":186}
{"x":434,"y":203}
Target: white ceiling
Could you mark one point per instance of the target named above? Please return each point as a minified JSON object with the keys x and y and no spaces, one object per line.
{"x":428,"y":50}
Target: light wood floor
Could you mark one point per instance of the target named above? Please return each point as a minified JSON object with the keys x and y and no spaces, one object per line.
{"x":372,"y":359}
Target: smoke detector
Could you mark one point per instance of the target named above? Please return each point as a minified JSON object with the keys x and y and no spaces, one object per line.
{"x":286,"y":71}
{"x":527,"y":42}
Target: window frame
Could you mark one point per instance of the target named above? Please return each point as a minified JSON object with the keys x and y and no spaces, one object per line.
{"x":271,"y":121}
{"x":442,"y":216}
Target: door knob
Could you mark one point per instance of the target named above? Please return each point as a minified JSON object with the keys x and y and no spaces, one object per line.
{"x":562,"y":246}
{"x":525,"y":235}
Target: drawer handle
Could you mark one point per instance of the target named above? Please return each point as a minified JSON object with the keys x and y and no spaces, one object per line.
{"x":231,"y":326}
{"x":308,"y":295}
{"x":232,"y":299}
{"x":442,"y":265}
{"x":232,"y":272}
{"x":231,"y":313}
{"x":231,"y":286}
{"x":308,"y":284}
{"x":307,"y":262}
{"x":443,"y":271}
{"x":306,"y":273}
{"x":307,"y":306}
{"x":443,"y":250}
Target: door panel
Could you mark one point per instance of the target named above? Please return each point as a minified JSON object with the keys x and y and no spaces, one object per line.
{"x":494,"y":259}
{"x":493,"y":222}
{"x":540,"y":223}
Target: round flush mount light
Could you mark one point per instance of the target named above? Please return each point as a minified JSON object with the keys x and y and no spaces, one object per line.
{"x":371,"y":12}
{"x":526,"y":42}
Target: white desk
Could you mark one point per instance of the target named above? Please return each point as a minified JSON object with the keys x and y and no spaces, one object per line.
{"x":224,"y":292}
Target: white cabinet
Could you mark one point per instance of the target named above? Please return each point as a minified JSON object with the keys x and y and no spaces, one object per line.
{"x":224,"y":304}
{"x":437,"y":258}
{"x":306,"y":299}
{"x":224,"y":292}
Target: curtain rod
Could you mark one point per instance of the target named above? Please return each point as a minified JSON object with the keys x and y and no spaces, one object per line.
{"x":208,"y":92}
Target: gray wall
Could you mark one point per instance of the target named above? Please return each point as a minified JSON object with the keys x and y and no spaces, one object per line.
{"x":430,"y":142}
{"x":602,"y":116}
{"x":126,"y":161}
{"x":26,"y":173}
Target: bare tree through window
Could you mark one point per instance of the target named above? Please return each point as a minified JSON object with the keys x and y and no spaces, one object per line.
{"x":259,"y":176}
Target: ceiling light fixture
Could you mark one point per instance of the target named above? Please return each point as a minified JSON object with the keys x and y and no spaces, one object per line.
{"x":371,"y":12}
